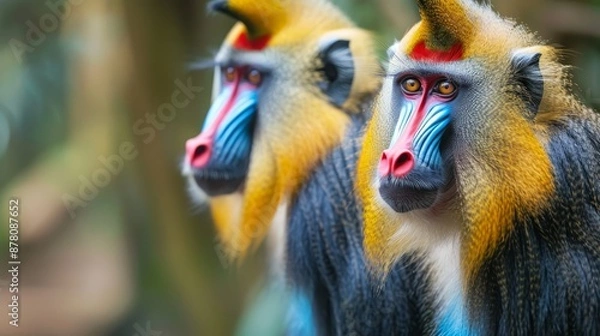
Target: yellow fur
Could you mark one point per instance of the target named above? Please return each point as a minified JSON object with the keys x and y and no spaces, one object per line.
{"x":226,"y":218}
{"x":267,"y":16}
{"x":443,"y":25}
{"x":279,"y":168}
{"x":287,"y":21}
{"x":508,"y":173}
{"x":378,"y":226}
{"x":288,"y":145}
{"x":490,"y":199}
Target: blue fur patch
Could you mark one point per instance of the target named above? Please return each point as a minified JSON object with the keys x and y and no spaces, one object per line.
{"x":454,"y":320}
{"x":300,"y":321}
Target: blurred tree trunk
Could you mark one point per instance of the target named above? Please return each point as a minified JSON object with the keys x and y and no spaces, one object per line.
{"x":161,"y":40}
{"x":75,"y":277}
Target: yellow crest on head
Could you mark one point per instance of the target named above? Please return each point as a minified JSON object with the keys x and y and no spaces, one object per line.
{"x":261,"y":18}
{"x":444,"y":33}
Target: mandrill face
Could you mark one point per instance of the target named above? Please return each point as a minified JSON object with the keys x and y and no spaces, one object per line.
{"x":412,"y":171}
{"x":270,"y":94}
{"x":419,"y":106}
{"x":441,"y":111}
{"x":218,"y":158}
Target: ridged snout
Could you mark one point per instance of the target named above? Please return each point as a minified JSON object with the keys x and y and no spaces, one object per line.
{"x":396,"y":163}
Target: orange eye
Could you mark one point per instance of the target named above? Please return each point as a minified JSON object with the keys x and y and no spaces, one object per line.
{"x":411,"y":85}
{"x":229,"y":74}
{"x":446,"y":88}
{"x":254,"y":77}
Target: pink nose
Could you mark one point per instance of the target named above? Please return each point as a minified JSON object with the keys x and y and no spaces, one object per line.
{"x":198,"y":151}
{"x":398,"y":164}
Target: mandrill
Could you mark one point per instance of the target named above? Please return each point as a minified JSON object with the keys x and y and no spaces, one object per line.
{"x":276,"y":155}
{"x":290,"y":78}
{"x":481,"y":160}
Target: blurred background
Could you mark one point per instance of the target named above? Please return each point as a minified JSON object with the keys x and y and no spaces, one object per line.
{"x":91,"y":141}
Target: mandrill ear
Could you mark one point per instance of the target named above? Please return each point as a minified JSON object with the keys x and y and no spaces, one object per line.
{"x":337,"y":69}
{"x":529,"y":80}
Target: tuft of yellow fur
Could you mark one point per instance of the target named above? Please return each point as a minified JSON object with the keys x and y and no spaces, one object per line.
{"x":512,"y":179}
{"x":279,"y":168}
{"x":444,"y":23}
{"x":226,"y":216}
{"x":379,"y":226}
{"x":267,"y":17}
{"x":287,"y":21}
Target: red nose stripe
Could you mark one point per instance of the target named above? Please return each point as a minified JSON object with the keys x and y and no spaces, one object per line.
{"x":212,"y":129}
{"x":199,"y":149}
{"x":245,"y":43}
{"x":399,"y":159}
{"x":422,"y":53}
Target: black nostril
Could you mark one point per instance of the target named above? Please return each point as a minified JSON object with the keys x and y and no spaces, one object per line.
{"x":403,"y":159}
{"x":403,"y":164}
{"x":200,"y":150}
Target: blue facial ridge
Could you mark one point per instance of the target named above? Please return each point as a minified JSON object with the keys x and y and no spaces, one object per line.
{"x":429,"y":135}
{"x":233,"y":139}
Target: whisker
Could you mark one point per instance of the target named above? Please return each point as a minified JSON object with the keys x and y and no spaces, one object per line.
{"x":203,"y":64}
